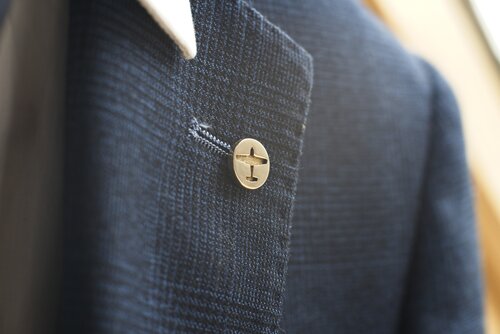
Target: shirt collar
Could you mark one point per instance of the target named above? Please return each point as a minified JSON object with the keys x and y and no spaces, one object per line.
{"x":175,"y":18}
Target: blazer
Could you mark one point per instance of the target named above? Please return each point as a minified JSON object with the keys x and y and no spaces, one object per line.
{"x":365,"y":224}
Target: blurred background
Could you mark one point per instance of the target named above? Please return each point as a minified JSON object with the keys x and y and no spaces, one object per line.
{"x":462,"y":39}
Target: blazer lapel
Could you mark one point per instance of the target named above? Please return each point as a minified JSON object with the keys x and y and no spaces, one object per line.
{"x":158,"y":230}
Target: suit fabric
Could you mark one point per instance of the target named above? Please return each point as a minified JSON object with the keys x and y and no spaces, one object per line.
{"x":365,"y":224}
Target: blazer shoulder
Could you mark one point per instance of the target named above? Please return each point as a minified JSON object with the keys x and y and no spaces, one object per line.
{"x":442,"y":99}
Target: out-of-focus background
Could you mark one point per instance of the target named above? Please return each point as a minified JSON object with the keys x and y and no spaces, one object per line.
{"x":462,"y":39}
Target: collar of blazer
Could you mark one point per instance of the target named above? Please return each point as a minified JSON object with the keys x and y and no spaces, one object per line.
{"x":175,"y":18}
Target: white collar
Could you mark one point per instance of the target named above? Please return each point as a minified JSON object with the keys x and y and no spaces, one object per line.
{"x":175,"y":18}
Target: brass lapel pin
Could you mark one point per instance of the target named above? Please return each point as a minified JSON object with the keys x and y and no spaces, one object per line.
{"x":251,"y":163}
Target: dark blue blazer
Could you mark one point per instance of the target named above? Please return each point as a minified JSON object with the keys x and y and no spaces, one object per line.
{"x":365,"y":224}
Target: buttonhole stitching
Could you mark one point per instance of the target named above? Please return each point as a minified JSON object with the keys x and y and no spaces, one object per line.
{"x":199,"y":131}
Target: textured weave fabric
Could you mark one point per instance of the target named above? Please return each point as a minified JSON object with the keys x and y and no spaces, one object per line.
{"x":159,"y":237}
{"x":383,"y":236}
